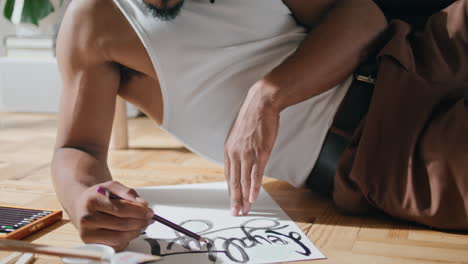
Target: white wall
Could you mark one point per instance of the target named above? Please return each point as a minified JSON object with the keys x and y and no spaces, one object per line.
{"x":5,"y":27}
{"x":46,"y":25}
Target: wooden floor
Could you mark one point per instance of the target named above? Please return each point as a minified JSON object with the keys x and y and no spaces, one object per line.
{"x":26,"y":143}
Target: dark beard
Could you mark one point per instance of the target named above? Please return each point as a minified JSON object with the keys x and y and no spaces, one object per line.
{"x":165,"y":13}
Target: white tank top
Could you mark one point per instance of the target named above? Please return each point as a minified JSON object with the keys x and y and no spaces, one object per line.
{"x":206,"y":61}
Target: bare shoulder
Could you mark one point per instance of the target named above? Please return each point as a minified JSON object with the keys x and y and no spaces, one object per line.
{"x":92,"y":27}
{"x":96,"y":31}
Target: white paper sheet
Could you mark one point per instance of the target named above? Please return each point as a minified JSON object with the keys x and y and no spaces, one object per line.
{"x":266,"y":235}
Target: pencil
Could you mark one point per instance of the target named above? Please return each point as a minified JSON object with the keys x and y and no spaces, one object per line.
{"x":157,"y":218}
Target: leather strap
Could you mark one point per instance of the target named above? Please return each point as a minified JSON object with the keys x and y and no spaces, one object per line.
{"x":350,"y":113}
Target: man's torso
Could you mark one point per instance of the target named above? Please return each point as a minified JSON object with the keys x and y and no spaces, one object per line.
{"x":126,"y":50}
{"x":139,"y":81}
{"x":259,"y":44}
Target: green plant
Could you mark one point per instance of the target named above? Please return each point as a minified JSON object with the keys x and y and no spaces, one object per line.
{"x":33,"y":10}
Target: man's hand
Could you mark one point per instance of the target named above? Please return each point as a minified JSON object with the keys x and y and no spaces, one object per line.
{"x":340,"y":31}
{"x":248,"y":147}
{"x":111,"y":222}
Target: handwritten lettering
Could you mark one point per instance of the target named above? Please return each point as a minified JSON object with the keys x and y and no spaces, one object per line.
{"x":254,"y":232}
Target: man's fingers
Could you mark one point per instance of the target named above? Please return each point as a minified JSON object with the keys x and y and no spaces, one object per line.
{"x":119,"y":208}
{"x":246,"y":168}
{"x":123,"y":192}
{"x":235,"y":187}
{"x":256,"y":183}
{"x":105,"y":221}
{"x":227,"y":172}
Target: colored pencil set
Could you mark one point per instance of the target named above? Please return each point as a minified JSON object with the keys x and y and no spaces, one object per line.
{"x":17,"y":222}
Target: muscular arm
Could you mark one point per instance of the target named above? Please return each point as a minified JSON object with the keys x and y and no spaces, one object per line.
{"x":342,"y":34}
{"x":344,"y":37}
{"x":90,"y":85}
{"x":347,"y":32}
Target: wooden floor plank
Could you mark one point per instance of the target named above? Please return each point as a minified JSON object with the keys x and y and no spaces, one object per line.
{"x":342,"y":257}
{"x":410,"y":250}
{"x":335,"y":232}
{"x":436,"y":236}
{"x":383,"y":228}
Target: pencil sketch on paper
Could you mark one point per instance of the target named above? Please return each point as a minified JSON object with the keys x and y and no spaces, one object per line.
{"x":266,"y":235}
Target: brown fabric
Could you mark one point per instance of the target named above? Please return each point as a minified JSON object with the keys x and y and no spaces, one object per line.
{"x":409,"y":157}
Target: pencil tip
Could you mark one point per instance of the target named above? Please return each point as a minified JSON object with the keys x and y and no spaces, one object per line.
{"x":203,"y":240}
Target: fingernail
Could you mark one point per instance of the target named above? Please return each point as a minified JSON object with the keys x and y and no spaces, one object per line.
{"x":252,"y":199}
{"x":150,"y":214}
{"x":246,"y":208}
{"x":234,"y":211}
{"x":151,"y":221}
{"x":141,"y":200}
